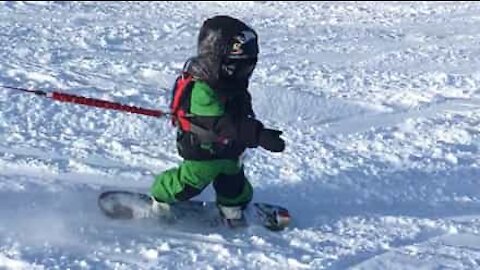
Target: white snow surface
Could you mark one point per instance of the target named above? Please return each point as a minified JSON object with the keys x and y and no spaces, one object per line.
{"x":379,"y":103}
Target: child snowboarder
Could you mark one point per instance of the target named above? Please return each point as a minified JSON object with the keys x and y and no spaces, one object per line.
{"x":212,"y":110}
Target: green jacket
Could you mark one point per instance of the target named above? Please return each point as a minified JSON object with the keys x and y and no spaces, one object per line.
{"x":228,"y":115}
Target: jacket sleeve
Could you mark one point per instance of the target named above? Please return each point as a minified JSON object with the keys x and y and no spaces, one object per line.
{"x":209,"y":112}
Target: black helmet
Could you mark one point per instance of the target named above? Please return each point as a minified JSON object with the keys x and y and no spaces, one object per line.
{"x":227,"y":48}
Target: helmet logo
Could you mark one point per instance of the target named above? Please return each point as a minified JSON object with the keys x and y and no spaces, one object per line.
{"x":237,"y":48}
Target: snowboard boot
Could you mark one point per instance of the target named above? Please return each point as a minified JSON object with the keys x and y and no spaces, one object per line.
{"x":232,"y":216}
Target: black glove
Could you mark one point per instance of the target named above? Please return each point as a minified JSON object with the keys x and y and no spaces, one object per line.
{"x":270,"y":140}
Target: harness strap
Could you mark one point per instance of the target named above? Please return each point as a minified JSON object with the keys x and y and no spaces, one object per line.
{"x":180,"y":116}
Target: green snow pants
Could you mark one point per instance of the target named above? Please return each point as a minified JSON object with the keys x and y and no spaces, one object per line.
{"x":189,"y":179}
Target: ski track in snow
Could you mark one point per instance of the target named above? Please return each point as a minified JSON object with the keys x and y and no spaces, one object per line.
{"x":379,"y":103}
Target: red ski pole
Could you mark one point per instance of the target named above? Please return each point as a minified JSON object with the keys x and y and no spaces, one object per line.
{"x":63,"y":97}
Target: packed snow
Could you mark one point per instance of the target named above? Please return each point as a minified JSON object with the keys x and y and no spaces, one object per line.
{"x":379,"y":103}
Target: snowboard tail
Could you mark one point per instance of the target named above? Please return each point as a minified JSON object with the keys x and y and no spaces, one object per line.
{"x":127,"y":205}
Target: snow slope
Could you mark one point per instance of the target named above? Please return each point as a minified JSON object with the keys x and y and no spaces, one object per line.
{"x":379,"y":103}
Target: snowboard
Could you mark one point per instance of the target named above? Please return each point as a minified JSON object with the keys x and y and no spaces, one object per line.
{"x":129,"y":205}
